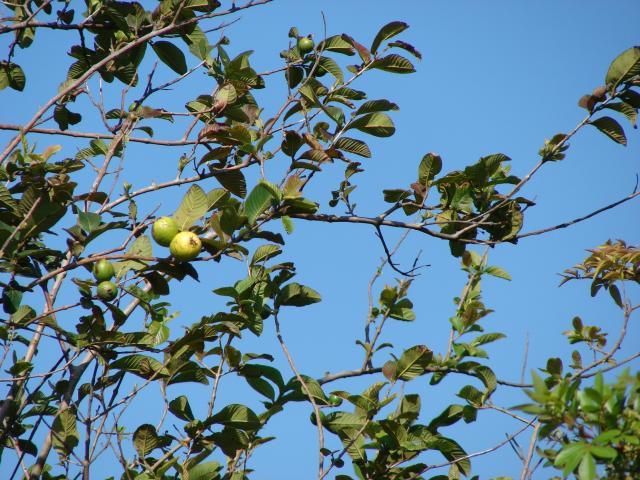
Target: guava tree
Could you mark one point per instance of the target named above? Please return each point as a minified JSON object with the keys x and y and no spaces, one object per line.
{"x":89,"y":268}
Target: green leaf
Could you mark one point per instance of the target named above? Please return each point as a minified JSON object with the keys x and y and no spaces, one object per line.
{"x":587,"y":469}
{"x":11,"y":75}
{"x":413,"y":362}
{"x":291,"y":143}
{"x":393,"y":63}
{"x":390,"y":30}
{"x":262,"y":387}
{"x":316,"y":155}
{"x":409,"y":409}
{"x":624,"y":66}
{"x":363,"y":53}
{"x":615,"y":295}
{"x":631,"y":97}
{"x":471,"y":394}
{"x":487,"y":338}
{"x":11,"y":300}
{"x":406,"y":47}
{"x":141,"y":247}
{"x":194,"y":205}
{"x":257,"y":202}
{"x":449,"y":416}
{"x":171,"y":55}
{"x":603,"y":451}
{"x":296,"y":295}
{"x":300,"y":205}
{"x":204,"y":471}
{"x":180,"y":408}
{"x":141,"y":365}
{"x":607,"y":436}
{"x":430,"y":166}
{"x":377,"y":124}
{"x":197,"y":42}
{"x":7,"y":200}
{"x":538,"y":384}
{"x":237,"y":416}
{"x":265,"y":252}
{"x":486,"y":375}
{"x":395,"y":195}
{"x":294,"y":76}
{"x":337,"y":421}
{"x":89,"y":221}
{"x":65,"y":117}
{"x":569,"y":457}
{"x":336,"y":114}
{"x":453,"y":451}
{"x":625,"y":109}
{"x":376,"y":106}
{"x":309,"y":94}
{"x":336,"y":44}
{"x":146,"y":440}
{"x":402,"y":310}
{"x":233,"y":181}
{"x":217,"y":197}
{"x":45,"y":216}
{"x":23,"y":314}
{"x":352,"y":145}
{"x":287,"y":223}
{"x":226,"y":94}
{"x":64,"y":432}
{"x":497,"y":272}
{"x":329,"y":65}
{"x":611,"y":129}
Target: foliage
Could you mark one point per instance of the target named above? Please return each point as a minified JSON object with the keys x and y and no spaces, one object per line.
{"x":584,"y":422}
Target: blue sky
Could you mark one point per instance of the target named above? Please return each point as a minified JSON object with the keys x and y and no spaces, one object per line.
{"x":496,"y":76}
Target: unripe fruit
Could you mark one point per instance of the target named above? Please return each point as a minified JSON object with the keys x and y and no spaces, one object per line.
{"x":107,"y":291}
{"x":305,"y":45}
{"x":185,"y":246}
{"x":335,"y":400}
{"x":164,"y":230}
{"x":103,"y":270}
{"x":313,"y":418}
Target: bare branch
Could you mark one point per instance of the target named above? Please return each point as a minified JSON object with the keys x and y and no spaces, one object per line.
{"x":526,"y":472}
{"x":307,"y":392}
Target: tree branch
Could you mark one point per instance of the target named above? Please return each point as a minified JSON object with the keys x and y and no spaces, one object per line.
{"x":101,"y":136}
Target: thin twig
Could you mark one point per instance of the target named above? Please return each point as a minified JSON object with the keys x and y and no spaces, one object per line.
{"x":307,"y":392}
{"x":532,"y":445}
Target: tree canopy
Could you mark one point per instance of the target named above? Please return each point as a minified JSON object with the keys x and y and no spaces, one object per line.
{"x":102,"y":378}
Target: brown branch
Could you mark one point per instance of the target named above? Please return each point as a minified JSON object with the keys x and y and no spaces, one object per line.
{"x":408,"y":273}
{"x":372,"y":371}
{"x":611,"y":367}
{"x":42,"y":375}
{"x":55,"y":26}
{"x":476,"y":454}
{"x":307,"y":392}
{"x":526,"y":471}
{"x":172,"y":183}
{"x":375,"y":221}
{"x":376,"y":275}
{"x":101,"y":136}
{"x":580,"y":219}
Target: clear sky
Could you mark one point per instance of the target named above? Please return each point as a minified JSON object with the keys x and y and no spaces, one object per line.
{"x":497,"y":76}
